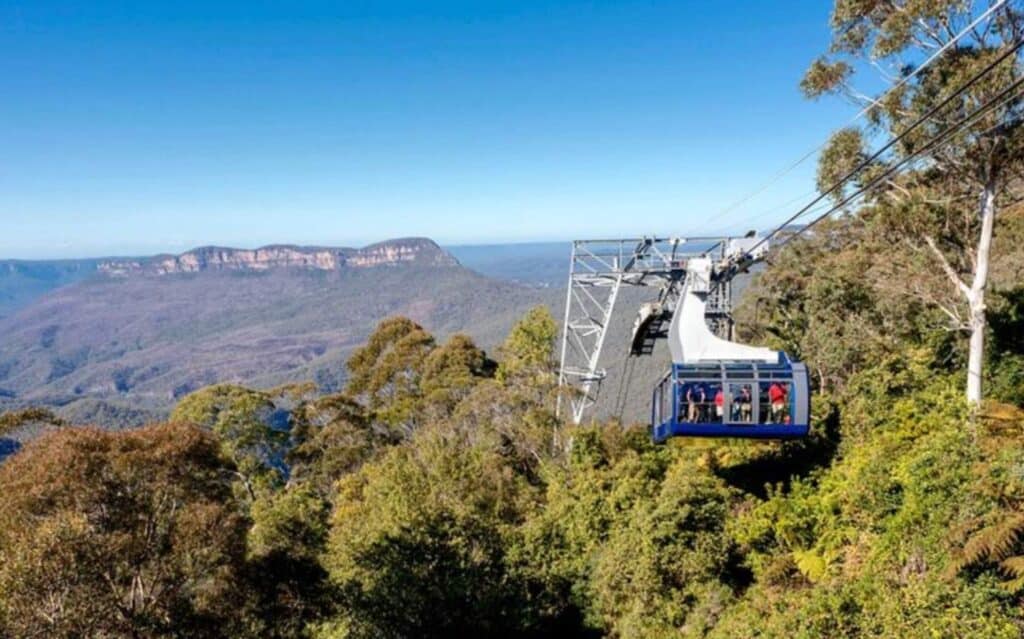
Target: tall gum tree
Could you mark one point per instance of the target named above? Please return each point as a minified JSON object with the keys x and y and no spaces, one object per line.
{"x":945,"y":209}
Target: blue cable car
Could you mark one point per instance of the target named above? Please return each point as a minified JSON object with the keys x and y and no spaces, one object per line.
{"x":718,"y":388}
{"x":755,"y":400}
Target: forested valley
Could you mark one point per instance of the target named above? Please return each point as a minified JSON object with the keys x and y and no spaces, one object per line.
{"x":438,"y":495}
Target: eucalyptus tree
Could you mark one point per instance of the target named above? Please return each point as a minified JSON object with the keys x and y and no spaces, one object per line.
{"x":919,"y":53}
{"x":385,"y":373}
{"x":244,"y":422}
{"x":130,"y":534}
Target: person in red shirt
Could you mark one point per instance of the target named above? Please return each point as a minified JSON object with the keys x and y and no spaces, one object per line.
{"x":777,"y":399}
{"x":719,"y":404}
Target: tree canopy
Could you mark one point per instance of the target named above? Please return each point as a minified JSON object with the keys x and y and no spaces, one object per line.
{"x":938,"y":65}
{"x":128,"y":534}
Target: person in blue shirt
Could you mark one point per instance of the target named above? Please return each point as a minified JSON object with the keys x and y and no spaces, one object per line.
{"x":684,"y":392}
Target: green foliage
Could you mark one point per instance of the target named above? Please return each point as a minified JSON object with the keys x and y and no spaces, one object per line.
{"x":405,"y":380}
{"x":994,"y":538}
{"x":417,"y":543}
{"x":385,"y":373}
{"x":450,"y":372}
{"x":287,"y":536}
{"x":529,"y":349}
{"x":120,"y":535}
{"x":331,"y":436}
{"x":438,"y":497}
{"x":633,"y":537}
{"x":843,"y":153}
{"x":242,"y":420}
{"x":1006,"y":359}
{"x":515,"y":411}
{"x":863,"y":548}
{"x":825,"y":76}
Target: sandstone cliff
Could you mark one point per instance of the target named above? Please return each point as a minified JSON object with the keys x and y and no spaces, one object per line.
{"x":419,"y":251}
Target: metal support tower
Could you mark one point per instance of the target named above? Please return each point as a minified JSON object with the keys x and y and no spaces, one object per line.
{"x":599,"y":268}
{"x":597,"y":271}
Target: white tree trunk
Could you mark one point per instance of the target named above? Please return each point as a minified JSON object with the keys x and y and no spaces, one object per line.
{"x":976,"y":296}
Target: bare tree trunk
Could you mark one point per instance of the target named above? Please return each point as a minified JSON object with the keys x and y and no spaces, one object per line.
{"x":976,"y":296}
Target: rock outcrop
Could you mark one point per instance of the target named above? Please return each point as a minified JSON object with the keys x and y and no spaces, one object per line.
{"x":419,"y":251}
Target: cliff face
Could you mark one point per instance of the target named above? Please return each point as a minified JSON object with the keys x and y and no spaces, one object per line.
{"x":419,"y":251}
{"x":144,"y":340}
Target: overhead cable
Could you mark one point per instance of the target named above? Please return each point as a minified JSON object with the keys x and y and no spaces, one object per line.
{"x":888,"y":145}
{"x":874,"y":103}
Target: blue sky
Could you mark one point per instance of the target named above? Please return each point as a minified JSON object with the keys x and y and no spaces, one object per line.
{"x":141,"y":127}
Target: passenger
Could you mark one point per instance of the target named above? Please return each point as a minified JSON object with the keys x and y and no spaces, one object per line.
{"x":719,"y":404}
{"x":777,"y":397}
{"x":694,"y":395}
{"x":702,"y":402}
{"x":745,"y":404}
{"x":704,"y":411}
{"x":680,"y":401}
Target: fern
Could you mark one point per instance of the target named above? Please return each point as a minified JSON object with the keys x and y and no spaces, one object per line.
{"x":812,"y":565}
{"x":1003,"y":423}
{"x":1013,"y":568}
{"x":995,"y":542}
{"x":998,"y":543}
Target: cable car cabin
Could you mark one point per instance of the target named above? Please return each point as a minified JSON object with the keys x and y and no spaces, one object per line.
{"x":756,"y":400}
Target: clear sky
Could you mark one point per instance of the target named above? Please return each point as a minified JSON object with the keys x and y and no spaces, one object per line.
{"x":142,"y":127}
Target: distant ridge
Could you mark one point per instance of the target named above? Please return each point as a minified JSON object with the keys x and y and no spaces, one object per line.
{"x":122,"y":346}
{"x":417,"y":251}
{"x":22,"y":281}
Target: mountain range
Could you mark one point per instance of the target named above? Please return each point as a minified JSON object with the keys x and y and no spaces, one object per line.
{"x":120,"y":341}
{"x":541,"y":264}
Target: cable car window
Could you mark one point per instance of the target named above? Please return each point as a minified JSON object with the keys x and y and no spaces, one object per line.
{"x":694,"y":396}
{"x":665,"y":399}
{"x":683,"y":395}
{"x":774,"y":402}
{"x":716,"y":403}
{"x":697,"y":402}
{"x":742,"y":402}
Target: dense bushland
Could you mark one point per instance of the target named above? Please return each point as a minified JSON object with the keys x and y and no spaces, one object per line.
{"x":438,"y":496}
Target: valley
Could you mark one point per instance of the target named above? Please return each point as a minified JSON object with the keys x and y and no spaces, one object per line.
{"x":122,"y":346}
